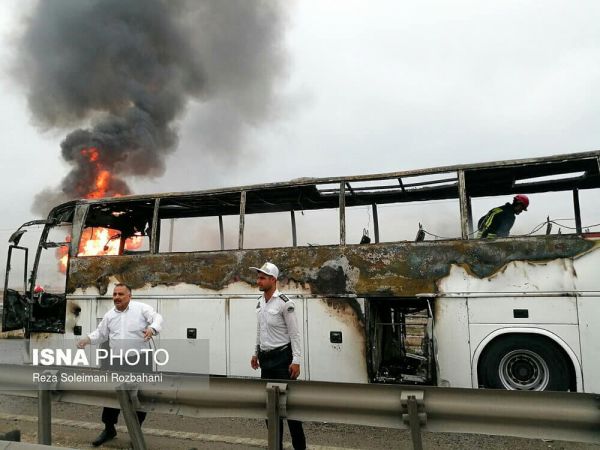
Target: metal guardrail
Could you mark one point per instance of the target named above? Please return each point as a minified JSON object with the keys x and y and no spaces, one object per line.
{"x":548,"y":415}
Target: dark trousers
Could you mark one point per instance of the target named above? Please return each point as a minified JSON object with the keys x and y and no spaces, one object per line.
{"x":275,"y":365}
{"x":110,"y":416}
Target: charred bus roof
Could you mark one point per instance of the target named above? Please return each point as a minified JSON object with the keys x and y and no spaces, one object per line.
{"x":533,"y":175}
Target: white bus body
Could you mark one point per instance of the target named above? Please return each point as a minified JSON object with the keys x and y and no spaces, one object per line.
{"x":515,"y":313}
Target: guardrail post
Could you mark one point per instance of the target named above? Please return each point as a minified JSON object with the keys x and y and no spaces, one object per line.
{"x":44,"y":416}
{"x":276,"y":410}
{"x":127,"y":398}
{"x":411,"y":402}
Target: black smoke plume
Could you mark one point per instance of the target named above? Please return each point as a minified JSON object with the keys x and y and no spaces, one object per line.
{"x":124,"y":70}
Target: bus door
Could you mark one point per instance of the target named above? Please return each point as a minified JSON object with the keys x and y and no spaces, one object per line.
{"x":14,"y":302}
{"x":34,"y":287}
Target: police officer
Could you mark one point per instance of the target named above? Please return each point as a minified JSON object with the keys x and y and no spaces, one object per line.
{"x":277,"y":350}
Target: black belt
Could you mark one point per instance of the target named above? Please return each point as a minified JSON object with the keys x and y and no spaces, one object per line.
{"x":273,"y":350}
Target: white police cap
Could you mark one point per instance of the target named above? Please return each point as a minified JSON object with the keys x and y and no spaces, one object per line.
{"x":268,"y":268}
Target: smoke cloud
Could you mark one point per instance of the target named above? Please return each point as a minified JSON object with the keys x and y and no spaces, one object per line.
{"x":124,"y":70}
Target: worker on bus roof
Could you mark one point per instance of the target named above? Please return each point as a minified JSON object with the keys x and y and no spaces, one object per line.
{"x":498,"y":221}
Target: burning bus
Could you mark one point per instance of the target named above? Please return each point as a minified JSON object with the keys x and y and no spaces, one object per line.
{"x":513,"y":313}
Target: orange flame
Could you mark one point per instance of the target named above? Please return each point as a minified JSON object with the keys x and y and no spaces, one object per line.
{"x":104,"y":241}
{"x":63,"y":255}
{"x":98,"y":241}
{"x":103,"y":176}
{"x":91,"y":153}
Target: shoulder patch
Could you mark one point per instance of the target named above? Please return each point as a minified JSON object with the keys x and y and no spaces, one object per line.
{"x":284,"y":298}
{"x":289,"y":305}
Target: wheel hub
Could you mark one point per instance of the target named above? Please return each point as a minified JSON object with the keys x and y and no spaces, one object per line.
{"x":524,"y":370}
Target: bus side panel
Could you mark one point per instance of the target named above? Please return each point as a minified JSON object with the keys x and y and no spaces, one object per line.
{"x":589,"y":312}
{"x":330,"y":361}
{"x":242,"y":336}
{"x":451,"y":342}
{"x":207,"y":317}
{"x":523,"y":310}
{"x":587,"y":271}
{"x":79,"y":312}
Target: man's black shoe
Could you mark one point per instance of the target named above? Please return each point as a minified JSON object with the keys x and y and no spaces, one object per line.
{"x":107,"y":434}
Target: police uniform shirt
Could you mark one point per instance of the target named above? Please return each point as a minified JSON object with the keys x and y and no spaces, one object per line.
{"x":127,"y":326}
{"x":277,"y":324}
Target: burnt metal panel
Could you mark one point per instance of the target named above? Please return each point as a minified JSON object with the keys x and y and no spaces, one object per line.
{"x":463,"y":200}
{"x":577,"y":211}
{"x":375,"y":222}
{"x":294,"y":237}
{"x":500,"y":179}
{"x":402,"y":269}
{"x":342,"y":209}
{"x":155,"y":228}
{"x":15,"y":312}
{"x":482,"y":179}
{"x":221,"y":233}
{"x":242,"y":219}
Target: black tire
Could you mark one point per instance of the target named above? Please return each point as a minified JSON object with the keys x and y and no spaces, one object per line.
{"x":524,"y":362}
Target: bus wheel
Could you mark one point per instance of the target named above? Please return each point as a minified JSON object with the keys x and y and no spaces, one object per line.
{"x":524,"y":363}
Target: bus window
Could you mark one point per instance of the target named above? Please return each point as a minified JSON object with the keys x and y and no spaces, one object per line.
{"x":300,"y":215}
{"x":394,"y":209}
{"x":49,"y":301}
{"x":590,"y":210}
{"x":194,"y":234}
{"x":18,"y":274}
{"x":400,"y":221}
{"x":52,"y":266}
{"x":359,"y":225}
{"x":117,"y":228}
{"x":268,"y":230}
{"x":199,"y":223}
{"x":318,"y":227}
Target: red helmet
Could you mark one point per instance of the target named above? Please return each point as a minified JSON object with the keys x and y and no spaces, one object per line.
{"x":522,"y":199}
